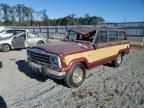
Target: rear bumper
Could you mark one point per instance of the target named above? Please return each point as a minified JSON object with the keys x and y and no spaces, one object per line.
{"x":45,"y":70}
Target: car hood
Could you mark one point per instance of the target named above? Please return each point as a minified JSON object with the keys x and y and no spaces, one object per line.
{"x":5,"y":38}
{"x":5,"y":35}
{"x":65,"y":47}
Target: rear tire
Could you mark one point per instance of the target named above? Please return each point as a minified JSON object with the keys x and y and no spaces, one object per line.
{"x":117,"y":62}
{"x":40,"y":43}
{"x":5,"y":48}
{"x":75,"y":76}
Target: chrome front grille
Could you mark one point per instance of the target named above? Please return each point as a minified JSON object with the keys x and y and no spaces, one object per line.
{"x":40,"y":57}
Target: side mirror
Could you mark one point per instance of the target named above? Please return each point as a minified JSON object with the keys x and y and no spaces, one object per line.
{"x":0,"y":64}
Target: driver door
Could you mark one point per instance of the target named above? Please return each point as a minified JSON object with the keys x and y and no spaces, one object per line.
{"x":19,"y":41}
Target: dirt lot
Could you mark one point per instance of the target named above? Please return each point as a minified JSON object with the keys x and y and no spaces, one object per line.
{"x":104,"y":86}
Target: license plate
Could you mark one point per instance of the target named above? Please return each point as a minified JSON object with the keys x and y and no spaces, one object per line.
{"x":36,"y":67}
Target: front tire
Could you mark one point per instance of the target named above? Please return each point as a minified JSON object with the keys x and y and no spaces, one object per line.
{"x":117,"y":62}
{"x":5,"y":48}
{"x":75,"y":76}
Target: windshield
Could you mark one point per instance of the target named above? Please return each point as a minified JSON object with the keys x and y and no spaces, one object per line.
{"x":74,"y":36}
{"x":2,"y":31}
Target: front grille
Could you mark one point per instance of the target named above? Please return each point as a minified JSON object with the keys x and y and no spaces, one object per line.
{"x":40,"y":57}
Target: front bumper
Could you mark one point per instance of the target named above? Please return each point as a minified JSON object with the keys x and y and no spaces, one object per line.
{"x":45,"y":70}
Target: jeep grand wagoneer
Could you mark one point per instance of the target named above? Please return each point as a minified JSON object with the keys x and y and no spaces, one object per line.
{"x":81,"y":49}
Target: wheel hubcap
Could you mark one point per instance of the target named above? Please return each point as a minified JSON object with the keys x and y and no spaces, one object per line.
{"x":6,"y":48}
{"x":77,"y":76}
{"x":119,"y":59}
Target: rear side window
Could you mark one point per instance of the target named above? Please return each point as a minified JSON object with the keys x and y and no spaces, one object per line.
{"x":101,"y":37}
{"x":112,"y":36}
{"x":121,"y":36}
{"x":32,"y":35}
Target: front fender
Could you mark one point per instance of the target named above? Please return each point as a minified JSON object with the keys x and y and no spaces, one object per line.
{"x":76,"y":61}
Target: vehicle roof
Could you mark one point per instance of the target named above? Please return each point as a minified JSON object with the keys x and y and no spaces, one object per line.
{"x":14,"y":29}
{"x":111,"y":29}
{"x":83,"y":31}
{"x":19,"y":29}
{"x":90,"y":30}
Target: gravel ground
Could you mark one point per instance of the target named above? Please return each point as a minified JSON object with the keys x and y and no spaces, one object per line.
{"x":104,"y":86}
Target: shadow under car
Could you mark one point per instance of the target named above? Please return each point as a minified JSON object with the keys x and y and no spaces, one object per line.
{"x":23,"y":67}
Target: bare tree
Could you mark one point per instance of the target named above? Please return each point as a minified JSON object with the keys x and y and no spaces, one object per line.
{"x":45,"y":18}
{"x":5,"y":8}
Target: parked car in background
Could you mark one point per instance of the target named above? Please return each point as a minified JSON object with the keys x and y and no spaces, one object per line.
{"x":10,"y":32}
{"x":21,"y":40}
{"x":81,"y":49}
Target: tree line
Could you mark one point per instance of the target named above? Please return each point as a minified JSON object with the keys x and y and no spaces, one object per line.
{"x":22,"y":15}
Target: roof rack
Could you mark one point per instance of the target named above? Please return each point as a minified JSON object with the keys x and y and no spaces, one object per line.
{"x":112,"y":28}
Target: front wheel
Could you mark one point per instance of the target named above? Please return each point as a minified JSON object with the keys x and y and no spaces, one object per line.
{"x":5,"y":47}
{"x":117,"y":62}
{"x":75,"y":76}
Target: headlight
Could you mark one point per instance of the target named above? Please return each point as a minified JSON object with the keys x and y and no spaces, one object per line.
{"x":55,"y":61}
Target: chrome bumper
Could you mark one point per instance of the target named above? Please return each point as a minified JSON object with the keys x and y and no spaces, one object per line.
{"x":45,"y":70}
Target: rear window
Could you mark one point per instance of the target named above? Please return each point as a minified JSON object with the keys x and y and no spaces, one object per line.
{"x":121,"y":36}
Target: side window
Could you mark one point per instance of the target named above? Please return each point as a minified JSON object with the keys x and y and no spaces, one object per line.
{"x":18,"y":31}
{"x":21,"y":37}
{"x":112,"y":36}
{"x":9,"y":31}
{"x":121,"y":36}
{"x":101,"y":37}
{"x":32,"y":35}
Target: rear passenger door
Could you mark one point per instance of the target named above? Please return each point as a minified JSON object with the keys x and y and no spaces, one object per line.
{"x":102,"y":50}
